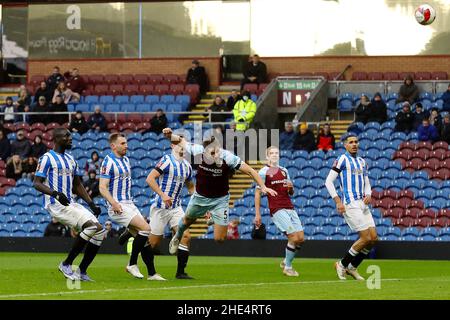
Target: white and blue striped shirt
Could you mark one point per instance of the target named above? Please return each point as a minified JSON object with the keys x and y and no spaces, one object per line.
{"x":118,"y":171}
{"x":58,"y":170}
{"x":352,"y":171}
{"x":174,"y":173}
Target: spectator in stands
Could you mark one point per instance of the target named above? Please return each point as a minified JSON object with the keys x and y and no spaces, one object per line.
{"x":419,"y":115}
{"x":254,"y":71}
{"x":56,"y":229}
{"x":92,"y":184}
{"x":363,"y":110}
{"x":446,"y":98}
{"x":436,"y":119}
{"x":427,"y":132}
{"x":110,"y":231}
{"x":21,"y":146}
{"x":8,"y":110}
{"x":54,"y":79}
{"x":14,"y":168}
{"x":97,"y":121}
{"x":287,"y":137}
{"x":217,"y":106}
{"x":29,"y":166}
{"x":408,"y":91}
{"x":378,"y":111}
{"x":197,"y":75}
{"x":244,"y":111}
{"x":73,"y":81}
{"x":93,"y":163}
{"x":5,"y":146}
{"x":38,"y":148}
{"x":67,"y":94}
{"x":43,"y":107}
{"x":233,"y":231}
{"x":404,"y":119}
{"x":79,"y":124}
{"x":158,"y":122}
{"x":59,"y":106}
{"x":325,"y":139}
{"x":304,"y":139}
{"x":43,"y":91}
{"x":22,"y":105}
{"x":445,"y":133}
{"x":231,"y":101}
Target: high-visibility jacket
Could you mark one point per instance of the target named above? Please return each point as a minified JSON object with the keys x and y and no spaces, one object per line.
{"x":244,"y":110}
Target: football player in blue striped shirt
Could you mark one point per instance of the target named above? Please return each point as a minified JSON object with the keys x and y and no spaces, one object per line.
{"x":58,"y":178}
{"x":354,"y":205}
{"x":115,"y":187}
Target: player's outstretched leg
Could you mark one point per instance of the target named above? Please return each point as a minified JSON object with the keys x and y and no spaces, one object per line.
{"x":295,"y":240}
{"x":183,"y":257}
{"x":88,"y":231}
{"x":89,"y":254}
{"x":183,"y":225}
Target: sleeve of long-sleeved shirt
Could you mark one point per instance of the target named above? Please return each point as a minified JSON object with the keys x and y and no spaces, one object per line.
{"x":329,"y":183}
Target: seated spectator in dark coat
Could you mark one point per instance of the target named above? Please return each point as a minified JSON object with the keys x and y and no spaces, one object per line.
{"x":41,"y":106}
{"x":54,"y":79}
{"x":363,"y":110}
{"x":304,"y":139}
{"x":436,"y":119}
{"x":287,"y":137}
{"x":43,"y":91}
{"x":217,"y":106}
{"x":254,"y":71}
{"x":38,"y":148}
{"x":408,"y":91}
{"x":73,"y":81}
{"x":404,"y":119}
{"x":231,"y":101}
{"x":5,"y":146}
{"x":427,"y":132}
{"x":29,"y":167}
{"x":197,"y":75}
{"x":325,"y":139}
{"x":446,"y":98}
{"x":59,"y":106}
{"x":56,"y":229}
{"x":110,"y":231}
{"x":92,"y":184}
{"x":21,"y":146}
{"x":8,"y":111}
{"x":97,"y":121}
{"x":419,"y":115}
{"x":93,"y":163}
{"x":445,"y":133}
{"x":78,"y":123}
{"x":14,"y":169}
{"x":158,"y":122}
{"x":378,"y":111}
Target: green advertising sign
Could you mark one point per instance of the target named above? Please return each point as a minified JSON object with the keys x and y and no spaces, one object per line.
{"x":298,"y":84}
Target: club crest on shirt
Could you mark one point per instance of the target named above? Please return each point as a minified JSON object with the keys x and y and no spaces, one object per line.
{"x":103,"y":170}
{"x":283,"y":173}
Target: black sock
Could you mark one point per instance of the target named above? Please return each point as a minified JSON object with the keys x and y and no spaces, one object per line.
{"x":182,"y":257}
{"x":89,"y":255}
{"x":77,"y":247}
{"x":348,"y":257}
{"x":138,"y":243}
{"x":148,"y":258}
{"x":360,"y":257}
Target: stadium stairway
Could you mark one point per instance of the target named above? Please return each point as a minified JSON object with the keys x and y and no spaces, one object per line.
{"x":205,"y":102}
{"x":338,"y":127}
{"x":7,"y":92}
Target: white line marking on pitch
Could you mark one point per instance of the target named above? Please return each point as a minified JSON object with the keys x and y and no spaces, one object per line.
{"x":186,"y":287}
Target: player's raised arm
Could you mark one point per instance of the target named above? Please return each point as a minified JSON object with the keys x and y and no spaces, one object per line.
{"x":80,"y":191}
{"x":329,"y":183}
{"x":174,"y":138}
{"x":245,"y":168}
{"x":153,"y":184}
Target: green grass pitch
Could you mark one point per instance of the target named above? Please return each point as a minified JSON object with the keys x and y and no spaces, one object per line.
{"x":35,"y":276}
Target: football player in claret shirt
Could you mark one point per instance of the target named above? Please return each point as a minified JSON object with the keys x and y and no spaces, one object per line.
{"x":281,"y":208}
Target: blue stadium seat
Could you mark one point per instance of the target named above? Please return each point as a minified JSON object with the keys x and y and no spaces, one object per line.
{"x":152,"y":99}
{"x":184,"y":100}
{"x":345,"y":105}
{"x":372,"y":125}
{"x":121,"y":99}
{"x":128,"y":107}
{"x":167,"y":99}
{"x":91,"y":99}
{"x":106,"y":99}
{"x":317,"y":154}
{"x":112,"y":107}
{"x":143,"y":107}
{"x":157,"y":106}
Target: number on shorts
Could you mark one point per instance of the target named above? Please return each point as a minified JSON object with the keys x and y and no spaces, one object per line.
{"x":225,"y":215}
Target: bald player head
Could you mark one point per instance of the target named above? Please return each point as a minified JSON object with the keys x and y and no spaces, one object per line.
{"x":62,"y":139}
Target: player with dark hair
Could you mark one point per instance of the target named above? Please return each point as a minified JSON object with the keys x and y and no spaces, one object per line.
{"x":58,"y":177}
{"x":356,"y":191}
{"x":281,"y":207}
{"x":212,"y":185}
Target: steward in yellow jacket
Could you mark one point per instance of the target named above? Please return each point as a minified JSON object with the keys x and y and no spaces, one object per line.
{"x":244,"y":111}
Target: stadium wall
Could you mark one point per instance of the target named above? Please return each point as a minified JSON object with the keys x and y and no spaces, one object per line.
{"x":426,"y":250}
{"x":274,"y":65}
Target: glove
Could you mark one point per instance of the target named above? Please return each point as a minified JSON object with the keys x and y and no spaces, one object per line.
{"x":95,"y":209}
{"x":61,"y":197}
